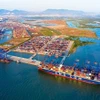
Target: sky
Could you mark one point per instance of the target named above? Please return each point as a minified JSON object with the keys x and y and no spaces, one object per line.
{"x":41,"y":5}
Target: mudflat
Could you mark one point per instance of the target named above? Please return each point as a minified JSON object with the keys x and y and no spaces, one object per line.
{"x":63,"y":28}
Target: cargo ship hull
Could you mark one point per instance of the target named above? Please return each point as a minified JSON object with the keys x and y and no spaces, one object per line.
{"x":72,"y":77}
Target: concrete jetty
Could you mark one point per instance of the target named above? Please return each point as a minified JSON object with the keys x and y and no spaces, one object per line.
{"x":32,"y":56}
{"x":24,"y":60}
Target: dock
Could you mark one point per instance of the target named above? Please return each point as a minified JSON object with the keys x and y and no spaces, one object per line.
{"x":24,"y":60}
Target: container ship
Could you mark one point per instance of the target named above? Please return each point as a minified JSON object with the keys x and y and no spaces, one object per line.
{"x":70,"y":72}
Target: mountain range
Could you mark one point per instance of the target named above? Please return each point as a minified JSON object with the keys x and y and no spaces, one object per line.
{"x":6,"y":12}
{"x":64,"y":12}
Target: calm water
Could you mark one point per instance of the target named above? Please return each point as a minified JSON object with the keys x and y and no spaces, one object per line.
{"x":24,"y":55}
{"x":25,"y":82}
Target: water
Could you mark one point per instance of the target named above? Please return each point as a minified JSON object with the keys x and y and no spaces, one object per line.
{"x":24,"y":55}
{"x":48,"y":59}
{"x":6,"y":38}
{"x":25,"y":82}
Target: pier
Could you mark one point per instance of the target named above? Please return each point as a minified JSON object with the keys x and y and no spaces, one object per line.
{"x":24,"y":60}
{"x":32,"y":56}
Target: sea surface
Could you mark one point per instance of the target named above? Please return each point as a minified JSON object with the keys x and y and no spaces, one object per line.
{"x":24,"y":55}
{"x":25,"y":82}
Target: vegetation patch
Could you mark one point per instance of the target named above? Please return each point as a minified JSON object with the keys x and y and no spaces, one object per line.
{"x":49,"y":32}
{"x":77,"y":43}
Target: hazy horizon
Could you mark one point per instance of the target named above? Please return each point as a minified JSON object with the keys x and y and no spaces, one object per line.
{"x":37,"y":6}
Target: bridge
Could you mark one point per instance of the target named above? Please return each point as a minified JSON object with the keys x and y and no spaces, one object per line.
{"x":24,"y":60}
{"x":66,"y":54}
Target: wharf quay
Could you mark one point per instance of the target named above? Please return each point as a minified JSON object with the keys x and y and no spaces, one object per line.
{"x":24,"y":60}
